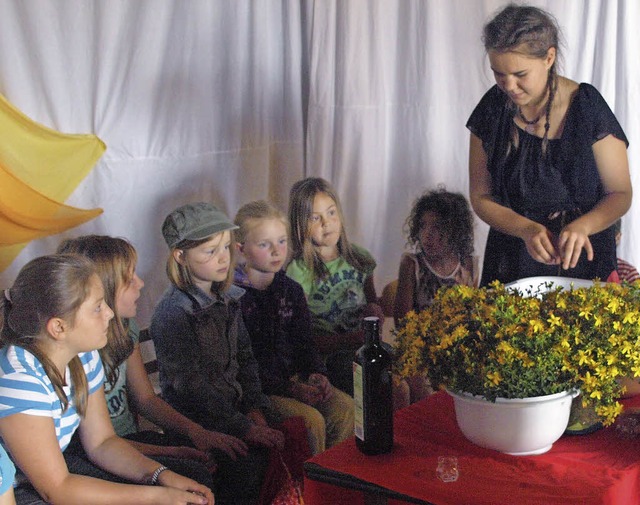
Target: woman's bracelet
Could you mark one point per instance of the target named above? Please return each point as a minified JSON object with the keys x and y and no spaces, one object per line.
{"x":156,"y":475}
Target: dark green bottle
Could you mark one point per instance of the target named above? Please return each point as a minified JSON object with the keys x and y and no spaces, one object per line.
{"x":372,"y":392}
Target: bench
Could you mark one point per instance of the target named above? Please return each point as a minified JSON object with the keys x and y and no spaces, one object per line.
{"x":148,"y":352}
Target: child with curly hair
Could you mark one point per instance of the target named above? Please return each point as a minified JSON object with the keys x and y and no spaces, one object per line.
{"x":440,"y":231}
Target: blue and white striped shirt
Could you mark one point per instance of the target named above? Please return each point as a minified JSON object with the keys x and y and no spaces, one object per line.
{"x":25,"y":388}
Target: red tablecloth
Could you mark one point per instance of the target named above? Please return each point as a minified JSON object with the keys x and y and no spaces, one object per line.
{"x":600,"y":469}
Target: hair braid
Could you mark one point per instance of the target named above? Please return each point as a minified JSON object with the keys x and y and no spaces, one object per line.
{"x":552,"y":84}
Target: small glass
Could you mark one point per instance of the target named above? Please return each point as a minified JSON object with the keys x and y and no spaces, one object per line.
{"x":447,"y":468}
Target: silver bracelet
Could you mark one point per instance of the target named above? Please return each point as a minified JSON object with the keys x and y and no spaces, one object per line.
{"x":156,"y":475}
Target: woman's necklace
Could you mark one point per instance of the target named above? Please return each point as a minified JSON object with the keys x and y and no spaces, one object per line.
{"x":531,"y":125}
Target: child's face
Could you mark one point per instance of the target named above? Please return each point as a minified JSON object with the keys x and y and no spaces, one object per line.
{"x":265,"y":246}
{"x":433,"y":240}
{"x":89,"y":331}
{"x":127,"y":296}
{"x":325,"y":225}
{"x":210,"y":261}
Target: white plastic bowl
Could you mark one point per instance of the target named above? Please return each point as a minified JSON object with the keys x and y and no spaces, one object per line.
{"x":521,"y":427}
{"x":537,"y":285}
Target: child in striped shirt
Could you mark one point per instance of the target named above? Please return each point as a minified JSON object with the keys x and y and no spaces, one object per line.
{"x":54,"y":319}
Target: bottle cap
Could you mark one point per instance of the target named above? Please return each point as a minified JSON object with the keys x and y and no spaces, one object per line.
{"x":371,"y":322}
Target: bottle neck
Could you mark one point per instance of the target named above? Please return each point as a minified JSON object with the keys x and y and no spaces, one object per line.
{"x":371,"y":327}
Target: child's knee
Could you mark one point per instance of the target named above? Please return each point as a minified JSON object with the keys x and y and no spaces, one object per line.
{"x":316,"y":429}
{"x":340,"y":417}
{"x":314,"y":420}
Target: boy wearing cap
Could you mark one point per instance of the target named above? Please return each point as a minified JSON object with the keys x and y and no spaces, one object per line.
{"x":207,"y":369}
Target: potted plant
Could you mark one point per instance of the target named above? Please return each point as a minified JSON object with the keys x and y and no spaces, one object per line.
{"x":502,"y":342}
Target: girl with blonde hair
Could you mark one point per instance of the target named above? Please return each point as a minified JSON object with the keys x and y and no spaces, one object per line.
{"x":279,"y":323}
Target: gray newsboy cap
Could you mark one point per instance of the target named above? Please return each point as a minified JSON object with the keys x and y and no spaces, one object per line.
{"x":194,"y":221}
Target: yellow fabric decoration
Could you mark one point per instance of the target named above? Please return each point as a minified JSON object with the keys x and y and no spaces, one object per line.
{"x":39,"y":168}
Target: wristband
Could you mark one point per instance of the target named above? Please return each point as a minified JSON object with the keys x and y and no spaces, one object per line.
{"x":156,"y":475}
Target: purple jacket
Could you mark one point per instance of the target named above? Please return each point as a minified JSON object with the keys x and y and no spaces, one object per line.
{"x":279,"y":325}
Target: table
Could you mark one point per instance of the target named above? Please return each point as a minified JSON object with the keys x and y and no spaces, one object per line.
{"x":597,"y":469}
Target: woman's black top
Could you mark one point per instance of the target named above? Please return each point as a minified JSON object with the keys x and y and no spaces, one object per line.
{"x":552,"y":188}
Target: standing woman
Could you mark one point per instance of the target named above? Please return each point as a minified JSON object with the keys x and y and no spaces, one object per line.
{"x":548,"y":166}
{"x":54,"y":319}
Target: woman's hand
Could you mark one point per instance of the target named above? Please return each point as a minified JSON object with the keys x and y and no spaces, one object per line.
{"x":265,"y":436}
{"x":539,"y":242}
{"x":184,"y":490}
{"x":573,"y":239}
{"x":206,"y":440}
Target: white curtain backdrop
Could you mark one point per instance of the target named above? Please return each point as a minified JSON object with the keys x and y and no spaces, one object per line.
{"x":234,"y":100}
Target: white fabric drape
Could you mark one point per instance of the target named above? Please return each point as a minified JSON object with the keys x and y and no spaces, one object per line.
{"x":234,"y":100}
{"x":197,"y":100}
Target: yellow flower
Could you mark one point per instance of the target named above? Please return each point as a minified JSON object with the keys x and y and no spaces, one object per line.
{"x":590,"y":381}
{"x":494,"y":377}
{"x":505,"y":347}
{"x":609,"y":412}
{"x":613,"y":305}
{"x":466,"y":292}
{"x":554,"y":320}
{"x":583,"y":357}
{"x":536,"y":325}
{"x":494,"y":342}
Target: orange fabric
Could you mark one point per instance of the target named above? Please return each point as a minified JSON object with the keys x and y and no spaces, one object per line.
{"x":52,"y":162}
{"x":41,"y":217}
{"x":39,"y":169}
{"x":597,"y":469}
